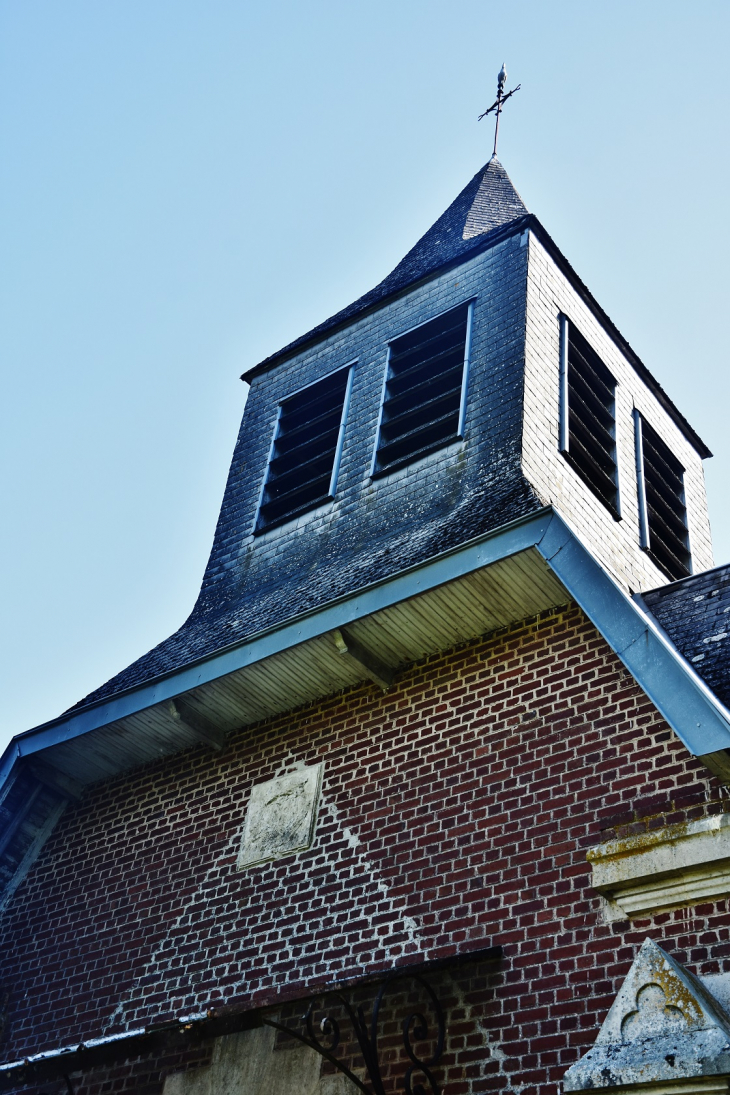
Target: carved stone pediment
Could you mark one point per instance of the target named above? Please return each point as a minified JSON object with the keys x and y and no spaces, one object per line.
{"x":663,"y":1026}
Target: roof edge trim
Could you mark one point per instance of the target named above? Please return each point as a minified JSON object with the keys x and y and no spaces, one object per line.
{"x":696,"y":715}
{"x":699,"y":719}
{"x":518,"y":535}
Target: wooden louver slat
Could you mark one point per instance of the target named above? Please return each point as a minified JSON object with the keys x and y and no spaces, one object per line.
{"x":423,"y":392}
{"x":300,"y":469}
{"x":666,"y":512}
{"x":591,"y":420}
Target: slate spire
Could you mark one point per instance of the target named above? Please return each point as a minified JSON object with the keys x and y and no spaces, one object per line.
{"x":487,"y":202}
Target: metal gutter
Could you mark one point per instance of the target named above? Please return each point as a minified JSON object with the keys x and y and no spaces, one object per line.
{"x":691,"y":708}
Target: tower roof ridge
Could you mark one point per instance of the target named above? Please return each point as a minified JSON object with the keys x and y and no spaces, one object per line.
{"x":488,"y":202}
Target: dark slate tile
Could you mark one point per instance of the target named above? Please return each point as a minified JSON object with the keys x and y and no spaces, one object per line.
{"x":695,"y":614}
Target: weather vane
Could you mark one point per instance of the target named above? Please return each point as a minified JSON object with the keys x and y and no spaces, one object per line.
{"x":499,"y":102}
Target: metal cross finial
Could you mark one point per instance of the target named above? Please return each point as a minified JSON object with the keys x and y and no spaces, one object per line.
{"x":499,"y":102}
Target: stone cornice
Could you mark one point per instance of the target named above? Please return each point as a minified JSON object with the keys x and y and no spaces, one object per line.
{"x":678,"y":865}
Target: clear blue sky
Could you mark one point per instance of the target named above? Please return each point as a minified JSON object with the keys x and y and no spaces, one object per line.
{"x":188,"y":184}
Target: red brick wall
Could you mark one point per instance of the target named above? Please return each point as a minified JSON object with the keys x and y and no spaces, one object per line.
{"x":456,"y":813}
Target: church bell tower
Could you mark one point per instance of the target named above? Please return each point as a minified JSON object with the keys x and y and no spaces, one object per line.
{"x":451,"y":712}
{"x":478,"y":384}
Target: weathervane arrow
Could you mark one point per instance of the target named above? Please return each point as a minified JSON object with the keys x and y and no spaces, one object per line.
{"x":499,"y":102}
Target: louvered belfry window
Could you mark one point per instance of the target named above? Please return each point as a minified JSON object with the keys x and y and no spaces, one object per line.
{"x":588,"y":417}
{"x":303,"y":463}
{"x":662,"y":505}
{"x":423,"y":405}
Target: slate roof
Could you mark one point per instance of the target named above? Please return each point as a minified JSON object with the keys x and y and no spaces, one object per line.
{"x":695,"y":614}
{"x":487,"y":203}
{"x":347,"y":567}
{"x":485,"y":207}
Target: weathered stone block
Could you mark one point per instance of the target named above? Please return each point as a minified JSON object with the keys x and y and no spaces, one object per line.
{"x":678,"y":865}
{"x":246,"y":1064}
{"x":281,"y":816}
{"x":663,"y":1026}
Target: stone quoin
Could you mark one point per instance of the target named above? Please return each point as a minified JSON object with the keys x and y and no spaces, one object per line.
{"x":428,"y":794}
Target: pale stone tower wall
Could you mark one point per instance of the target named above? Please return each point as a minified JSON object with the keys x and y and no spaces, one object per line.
{"x":615,"y":543}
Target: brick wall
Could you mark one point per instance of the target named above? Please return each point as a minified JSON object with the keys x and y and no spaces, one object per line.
{"x":457,"y":809}
{"x":615,"y":543}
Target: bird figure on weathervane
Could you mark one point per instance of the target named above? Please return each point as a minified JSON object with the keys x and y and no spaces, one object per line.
{"x":499,"y":102}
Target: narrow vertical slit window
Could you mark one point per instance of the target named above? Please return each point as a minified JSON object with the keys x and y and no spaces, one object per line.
{"x":304,"y":460}
{"x":588,"y":416}
{"x":662,"y":508}
{"x":425,"y":390}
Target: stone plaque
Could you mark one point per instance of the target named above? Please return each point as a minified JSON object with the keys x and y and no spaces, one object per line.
{"x":281,"y":816}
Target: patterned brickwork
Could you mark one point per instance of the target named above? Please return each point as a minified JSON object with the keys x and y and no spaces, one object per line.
{"x":615,"y":543}
{"x":457,"y":809}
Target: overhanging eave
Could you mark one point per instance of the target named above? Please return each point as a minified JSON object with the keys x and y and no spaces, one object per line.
{"x":502,"y":577}
{"x":509,"y":575}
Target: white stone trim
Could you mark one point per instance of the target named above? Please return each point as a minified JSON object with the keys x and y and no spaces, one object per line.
{"x":676,"y":866}
{"x":702,"y":1085}
{"x":665,"y":1032}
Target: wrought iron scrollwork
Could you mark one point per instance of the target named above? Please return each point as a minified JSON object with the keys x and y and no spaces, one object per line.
{"x":324,"y":1036}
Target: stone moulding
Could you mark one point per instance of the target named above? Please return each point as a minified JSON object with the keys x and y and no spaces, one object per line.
{"x":675,"y":866}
